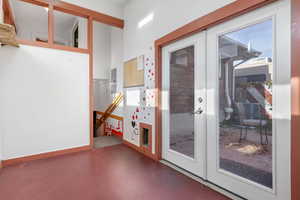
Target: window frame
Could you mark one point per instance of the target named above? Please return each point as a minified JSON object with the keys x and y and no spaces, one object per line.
{"x":57,"y":5}
{"x":50,"y":43}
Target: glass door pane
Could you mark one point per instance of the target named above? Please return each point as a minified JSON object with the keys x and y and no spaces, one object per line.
{"x":245,"y":102}
{"x":183,"y":113}
{"x":182,"y":101}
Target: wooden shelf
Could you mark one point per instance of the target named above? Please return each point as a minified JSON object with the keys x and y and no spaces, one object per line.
{"x":8,"y":35}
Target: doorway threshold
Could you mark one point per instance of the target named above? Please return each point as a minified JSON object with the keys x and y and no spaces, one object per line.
{"x":203,"y":182}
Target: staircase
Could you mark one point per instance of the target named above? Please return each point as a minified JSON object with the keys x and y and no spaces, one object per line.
{"x":117,"y":100}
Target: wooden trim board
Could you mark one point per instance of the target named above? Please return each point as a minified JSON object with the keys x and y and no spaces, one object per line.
{"x":111,"y":116}
{"x":15,"y":161}
{"x":50,"y":24}
{"x":8,"y":17}
{"x":54,"y":46}
{"x":43,"y":3}
{"x":91,"y":75}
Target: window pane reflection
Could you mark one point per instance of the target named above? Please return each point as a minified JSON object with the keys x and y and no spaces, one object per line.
{"x":182,"y":101}
{"x":70,"y":30}
{"x":245,"y":102}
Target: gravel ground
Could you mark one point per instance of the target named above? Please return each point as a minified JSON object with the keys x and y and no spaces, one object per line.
{"x":247,"y":159}
{"x":245,"y":171}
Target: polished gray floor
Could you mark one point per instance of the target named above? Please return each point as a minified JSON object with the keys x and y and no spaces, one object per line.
{"x":106,"y":141}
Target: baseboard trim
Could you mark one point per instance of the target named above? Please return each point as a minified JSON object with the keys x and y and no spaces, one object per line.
{"x":140,"y":150}
{"x":15,"y":161}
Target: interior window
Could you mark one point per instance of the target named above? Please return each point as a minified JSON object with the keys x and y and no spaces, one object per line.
{"x":31,"y":21}
{"x":70,"y":30}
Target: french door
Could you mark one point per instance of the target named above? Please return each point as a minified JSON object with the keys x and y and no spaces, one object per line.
{"x":248,"y":109}
{"x":226,"y":104}
{"x":184,"y":99}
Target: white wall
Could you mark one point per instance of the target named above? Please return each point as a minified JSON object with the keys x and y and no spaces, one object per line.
{"x":101,"y":94}
{"x":44,"y":100}
{"x":117,"y":54}
{"x":162,"y":17}
{"x":102,"y":63}
{"x":104,"y":6}
{"x":108,"y":54}
{"x":1,"y":134}
{"x":168,"y":15}
{"x":117,"y":61}
{"x":102,"y":50}
{"x":44,"y":96}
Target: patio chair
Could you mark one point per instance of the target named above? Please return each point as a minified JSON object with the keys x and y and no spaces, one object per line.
{"x":251,"y":116}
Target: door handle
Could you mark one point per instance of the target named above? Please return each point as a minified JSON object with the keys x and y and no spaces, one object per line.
{"x":200,"y":99}
{"x":198,"y":112}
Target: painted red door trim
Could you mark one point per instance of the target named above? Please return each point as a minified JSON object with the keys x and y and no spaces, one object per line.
{"x":295,"y":100}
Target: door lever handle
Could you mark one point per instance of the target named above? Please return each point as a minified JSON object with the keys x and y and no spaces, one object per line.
{"x":198,"y":112}
{"x":200,"y":99}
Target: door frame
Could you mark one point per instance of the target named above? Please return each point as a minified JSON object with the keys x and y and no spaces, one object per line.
{"x":219,"y":16}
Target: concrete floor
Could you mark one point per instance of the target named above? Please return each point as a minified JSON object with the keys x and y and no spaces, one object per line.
{"x":183,"y":142}
{"x":106,"y":141}
{"x":111,"y":173}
